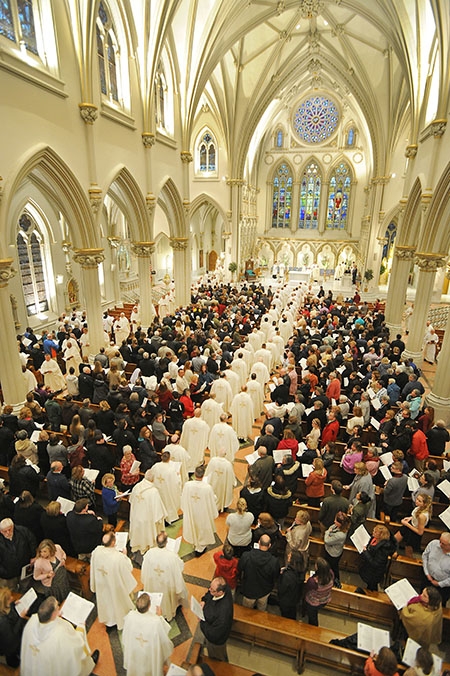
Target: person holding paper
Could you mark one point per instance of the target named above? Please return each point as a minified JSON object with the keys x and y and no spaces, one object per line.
{"x":49,"y":569}
{"x":217,"y":606}
{"x":51,"y":645}
{"x":383,"y":664}
{"x":374,"y":558}
{"x":423,"y":664}
{"x":436,"y":565}
{"x":128,"y":478}
{"x":422,"y":617}
{"x":162,"y":571}
{"x":413,"y":526}
{"x":11,"y":627}
{"x":362,"y":482}
{"x":334,"y":540}
{"x":146,"y":643}
{"x":394,"y":490}
{"x":17,"y":547}
{"x":112,"y":580}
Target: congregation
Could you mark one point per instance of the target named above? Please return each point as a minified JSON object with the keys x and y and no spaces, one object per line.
{"x":159,"y":415}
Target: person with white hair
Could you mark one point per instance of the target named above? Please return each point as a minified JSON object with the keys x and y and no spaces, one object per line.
{"x":53,"y":377}
{"x":147,"y":514}
{"x":194,"y":438}
{"x":223,"y":436}
{"x":121,"y":328}
{"x":242,"y":414}
{"x":220,"y":476}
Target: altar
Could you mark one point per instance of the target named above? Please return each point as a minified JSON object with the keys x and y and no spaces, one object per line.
{"x":297,"y":275}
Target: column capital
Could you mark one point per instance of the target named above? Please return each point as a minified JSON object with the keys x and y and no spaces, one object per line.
{"x":411,"y":151}
{"x":235,"y":182}
{"x":179,"y":243}
{"x":150,"y":202}
{"x":186,"y":156}
{"x":88,"y":112}
{"x":143,"y":249}
{"x":430,"y":262}
{"x":405,"y":252}
{"x":95,"y":197}
{"x":7,"y":272}
{"x":148,"y":139}
{"x":88,"y":258}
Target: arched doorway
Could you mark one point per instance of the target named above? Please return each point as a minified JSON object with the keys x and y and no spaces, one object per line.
{"x":212,"y":260}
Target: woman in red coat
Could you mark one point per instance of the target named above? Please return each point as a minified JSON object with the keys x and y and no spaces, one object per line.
{"x":289,"y":442}
{"x":315,"y":483}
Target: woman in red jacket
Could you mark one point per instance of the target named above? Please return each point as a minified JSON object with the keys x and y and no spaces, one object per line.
{"x":289,"y":442}
{"x":383,"y":664}
{"x":315,"y":483}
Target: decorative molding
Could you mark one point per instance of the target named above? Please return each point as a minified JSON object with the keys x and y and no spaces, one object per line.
{"x":1,"y":188}
{"x":143,"y":249}
{"x":95,"y":198}
{"x":88,"y":258}
{"x":14,"y":306}
{"x":425,"y":199}
{"x":113,"y":242}
{"x":281,"y":6}
{"x":405,"y":252}
{"x":7,"y":272}
{"x":411,"y":151}
{"x":186,"y":206}
{"x":436,"y":128}
{"x":88,"y":112}
{"x":148,"y":139}
{"x":380,"y":180}
{"x":179,"y":243}
{"x":309,"y":9}
{"x":186,"y":156}
{"x":235,"y":182}
{"x":66,"y":246}
{"x":430,"y":262}
{"x":150,"y":202}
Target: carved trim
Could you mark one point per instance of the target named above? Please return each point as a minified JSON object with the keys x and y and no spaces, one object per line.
{"x":186,"y":156}
{"x":7,"y":272}
{"x":150,"y":202}
{"x":95,"y":198}
{"x":143,"y":249}
{"x":88,"y":112}
{"x":186,"y":206}
{"x":411,"y":151}
{"x":309,"y":9}
{"x":405,"y":252}
{"x":179,"y":243}
{"x":436,"y":128}
{"x":429,"y":262}
{"x":1,"y":188}
{"x":148,"y":139}
{"x":235,"y":181}
{"x":88,"y":258}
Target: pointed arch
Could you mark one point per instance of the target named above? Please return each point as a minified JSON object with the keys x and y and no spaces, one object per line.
{"x":125,"y":191}
{"x":409,"y":232}
{"x":339,"y":195}
{"x":436,"y":235}
{"x":51,"y":174}
{"x":310,"y":195}
{"x":202,"y":199}
{"x":170,"y":201}
{"x":206,"y":162}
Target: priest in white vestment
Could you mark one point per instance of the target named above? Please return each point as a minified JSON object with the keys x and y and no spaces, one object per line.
{"x":112,"y":580}
{"x":179,"y":454}
{"x":234,"y":380}
{"x":121,"y":328}
{"x":211,"y":410}
{"x":194,"y":438}
{"x":264,"y":355}
{"x":166,"y":478}
{"x":239,"y":366}
{"x":52,"y":647}
{"x":220,"y":476}
{"x":72,"y":355}
{"x":53,"y":378}
{"x":198,"y":503}
{"x":162,"y":571}
{"x":223,"y":436}
{"x":221,"y":388}
{"x":242,"y":414}
{"x":147,"y":514}
{"x":262,"y":372}
{"x":145,"y":640}
{"x":256,"y":392}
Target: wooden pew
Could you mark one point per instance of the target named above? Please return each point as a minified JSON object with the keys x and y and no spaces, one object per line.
{"x":79,"y":573}
{"x":195,"y":656}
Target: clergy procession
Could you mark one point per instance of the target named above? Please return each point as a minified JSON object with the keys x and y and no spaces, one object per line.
{"x":247,"y":440}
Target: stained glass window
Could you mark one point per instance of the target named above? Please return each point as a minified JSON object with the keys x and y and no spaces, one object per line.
{"x":310,"y":198}
{"x":107,"y":54}
{"x":282,"y":197}
{"x":24,"y":32}
{"x":29,"y":251}
{"x":316,"y":119}
{"x":390,"y":236}
{"x":207,"y":153}
{"x":160,"y":97}
{"x":338,"y":197}
{"x":279,"y":139}
{"x":350,"y":136}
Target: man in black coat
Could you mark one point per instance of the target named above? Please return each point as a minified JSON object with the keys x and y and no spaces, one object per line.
{"x":85,"y":528}
{"x":86,"y":384}
{"x":218,"y":611}
{"x":17,"y":547}
{"x":259,"y":570}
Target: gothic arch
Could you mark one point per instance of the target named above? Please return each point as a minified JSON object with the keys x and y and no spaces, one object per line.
{"x":125,"y":191}
{"x":409,"y":232}
{"x":170,"y":201}
{"x":436,"y":234}
{"x":202,"y":199}
{"x":43,"y":167}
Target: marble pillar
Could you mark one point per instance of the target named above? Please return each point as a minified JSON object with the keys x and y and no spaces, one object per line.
{"x":428,"y":264}
{"x":439,"y":397}
{"x":398,"y":284}
{"x":89,"y":260}
{"x":143,"y":252}
{"x":13,"y":384}
{"x":181,"y":270}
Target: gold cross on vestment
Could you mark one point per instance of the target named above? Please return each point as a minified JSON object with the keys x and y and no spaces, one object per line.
{"x":158,"y":570}
{"x":220,"y":434}
{"x":139,"y":498}
{"x":103,"y":571}
{"x":141,"y":640}
{"x":34,"y":649}
{"x":161,"y":479}
{"x":195,"y":497}
{"x":218,"y":471}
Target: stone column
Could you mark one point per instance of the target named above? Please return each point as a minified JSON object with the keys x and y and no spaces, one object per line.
{"x":398,"y":284}
{"x":428,"y":264}
{"x":235,"y":201}
{"x":89,"y":260}
{"x":143,"y":252}
{"x":114,"y":245}
{"x":439,"y":396}
{"x":181,"y":270}
{"x":13,"y":384}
